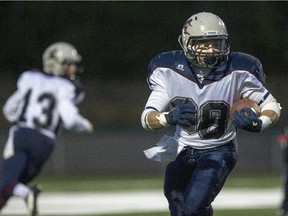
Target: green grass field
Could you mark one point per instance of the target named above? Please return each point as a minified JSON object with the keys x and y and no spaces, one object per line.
{"x":119,"y":183}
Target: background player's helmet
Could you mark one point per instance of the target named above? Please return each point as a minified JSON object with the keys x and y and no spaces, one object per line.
{"x":57,"y":55}
{"x":203,"y":27}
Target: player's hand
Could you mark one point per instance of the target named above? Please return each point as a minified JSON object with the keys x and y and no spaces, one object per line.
{"x":247,"y":119}
{"x":181,"y":114}
{"x":90,"y":128}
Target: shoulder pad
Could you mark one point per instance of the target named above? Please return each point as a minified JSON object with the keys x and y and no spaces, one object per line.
{"x":243,"y":61}
{"x":175,"y":60}
{"x":27,"y":73}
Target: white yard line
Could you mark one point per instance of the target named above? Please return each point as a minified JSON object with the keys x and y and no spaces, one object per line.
{"x":137,"y":201}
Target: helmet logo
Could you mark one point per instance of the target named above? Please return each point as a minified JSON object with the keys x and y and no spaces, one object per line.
{"x":53,"y":53}
{"x":187,"y":24}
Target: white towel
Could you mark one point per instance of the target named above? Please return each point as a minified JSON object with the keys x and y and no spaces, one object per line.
{"x":166,"y":150}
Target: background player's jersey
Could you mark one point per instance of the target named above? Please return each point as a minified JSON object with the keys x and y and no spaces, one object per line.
{"x":42,"y":101}
{"x":171,"y":80}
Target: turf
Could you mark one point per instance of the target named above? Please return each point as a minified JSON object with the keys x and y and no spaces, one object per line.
{"x":120,"y":183}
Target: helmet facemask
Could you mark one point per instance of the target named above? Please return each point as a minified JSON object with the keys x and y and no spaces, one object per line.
{"x":71,"y":69}
{"x":207,"y":52}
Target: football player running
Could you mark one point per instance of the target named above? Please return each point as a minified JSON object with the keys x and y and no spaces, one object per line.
{"x":199,"y":84}
{"x":42,"y":101}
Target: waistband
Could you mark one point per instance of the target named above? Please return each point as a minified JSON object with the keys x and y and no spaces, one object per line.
{"x":41,"y":130}
{"x":229,"y":145}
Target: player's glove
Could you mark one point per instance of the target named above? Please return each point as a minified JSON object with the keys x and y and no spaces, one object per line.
{"x":247,"y":120}
{"x":183,"y":114}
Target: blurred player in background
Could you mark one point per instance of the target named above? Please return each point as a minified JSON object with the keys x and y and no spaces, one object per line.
{"x":282,"y":139}
{"x":42,"y":102}
{"x":200,"y":83}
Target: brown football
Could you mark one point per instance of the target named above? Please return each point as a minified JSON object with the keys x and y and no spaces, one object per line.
{"x":238,"y":105}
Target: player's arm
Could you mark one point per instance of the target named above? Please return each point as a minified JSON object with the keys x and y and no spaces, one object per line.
{"x":69,"y":112}
{"x":72,"y":120}
{"x":270,"y":109}
{"x":152,"y":119}
{"x":158,"y":101}
{"x":154,"y":116}
{"x":270,"y":114}
{"x":11,"y":107}
{"x":248,"y":120}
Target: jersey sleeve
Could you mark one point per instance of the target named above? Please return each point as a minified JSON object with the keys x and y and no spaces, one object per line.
{"x":69,"y":113}
{"x":159,"y":98}
{"x":254,"y":89}
{"x":156,"y":80}
{"x":159,"y":70}
{"x":251,"y":78}
{"x":11,"y":109}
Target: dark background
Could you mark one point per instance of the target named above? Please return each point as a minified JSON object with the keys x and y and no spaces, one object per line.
{"x":117,"y":41}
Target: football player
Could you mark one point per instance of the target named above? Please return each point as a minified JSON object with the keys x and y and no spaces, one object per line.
{"x":199,"y":84}
{"x":42,"y":101}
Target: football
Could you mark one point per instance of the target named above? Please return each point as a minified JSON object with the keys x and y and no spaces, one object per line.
{"x":238,"y":105}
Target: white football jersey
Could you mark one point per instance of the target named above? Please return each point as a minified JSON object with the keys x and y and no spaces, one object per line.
{"x":172,"y":80}
{"x":42,"y":102}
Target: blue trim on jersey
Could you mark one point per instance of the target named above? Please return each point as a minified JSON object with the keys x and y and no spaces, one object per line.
{"x":264,"y":98}
{"x":149,"y":107}
{"x":177,"y":61}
